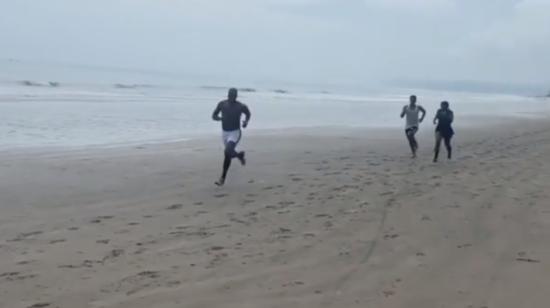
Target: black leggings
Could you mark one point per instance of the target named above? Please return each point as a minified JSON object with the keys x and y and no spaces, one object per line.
{"x":447,"y":140}
{"x":229,"y":154}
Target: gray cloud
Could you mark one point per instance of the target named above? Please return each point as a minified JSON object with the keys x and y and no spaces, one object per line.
{"x":300,"y":40}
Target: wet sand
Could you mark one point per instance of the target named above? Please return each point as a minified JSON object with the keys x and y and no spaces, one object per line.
{"x":318,"y":218}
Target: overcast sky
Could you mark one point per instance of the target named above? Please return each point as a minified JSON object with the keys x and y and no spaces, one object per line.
{"x":298,"y":40}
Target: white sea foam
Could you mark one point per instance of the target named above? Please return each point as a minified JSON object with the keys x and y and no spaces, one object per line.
{"x":54,"y":112}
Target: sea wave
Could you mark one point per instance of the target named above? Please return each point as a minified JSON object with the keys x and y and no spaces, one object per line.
{"x":219,"y":88}
{"x":280,"y":91}
{"x":29,"y":83}
{"x":213,"y":88}
{"x":133,"y":86}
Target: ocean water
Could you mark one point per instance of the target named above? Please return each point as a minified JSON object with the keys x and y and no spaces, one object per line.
{"x":76,"y":111}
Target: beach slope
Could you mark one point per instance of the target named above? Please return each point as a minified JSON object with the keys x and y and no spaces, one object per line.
{"x":316,"y":219}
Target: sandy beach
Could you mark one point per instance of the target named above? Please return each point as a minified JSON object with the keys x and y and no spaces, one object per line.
{"x":318,"y":218}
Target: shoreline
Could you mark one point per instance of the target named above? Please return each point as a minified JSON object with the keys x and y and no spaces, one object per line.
{"x":472,"y":122}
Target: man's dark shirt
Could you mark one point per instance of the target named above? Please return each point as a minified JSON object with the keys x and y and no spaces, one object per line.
{"x":231,"y":114}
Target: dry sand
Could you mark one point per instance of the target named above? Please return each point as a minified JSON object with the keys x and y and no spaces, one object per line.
{"x":344,"y":219}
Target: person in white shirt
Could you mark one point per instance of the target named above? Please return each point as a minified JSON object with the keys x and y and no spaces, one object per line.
{"x":413,"y":119}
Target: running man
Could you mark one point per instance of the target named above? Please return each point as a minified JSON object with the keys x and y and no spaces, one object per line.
{"x":231,"y":111}
{"x":413,"y":121}
{"x":443,"y":130}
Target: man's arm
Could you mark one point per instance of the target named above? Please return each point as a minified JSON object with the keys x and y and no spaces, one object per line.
{"x":423,"y":113}
{"x":451,"y":116}
{"x":216,"y":113}
{"x":247,"y":115}
{"x":403,"y":111}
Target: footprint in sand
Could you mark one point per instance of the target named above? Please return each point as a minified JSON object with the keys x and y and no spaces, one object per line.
{"x":348,"y":212}
{"x":425,"y":218}
{"x":9,"y":274}
{"x":102,"y":241}
{"x":528,"y":260}
{"x":251,"y":214}
{"x":220,"y":195}
{"x":282,"y":233}
{"x":200,"y":232}
{"x":218,"y":258}
{"x":40,"y":305}
{"x":175,"y":206}
{"x":388,"y":293}
{"x":138,"y":282}
{"x":62,"y":240}
{"x":24,"y":236}
{"x":84,"y":264}
{"x":286,"y":203}
{"x":99,"y":219}
{"x":522,"y":257}
{"x":239,"y":221}
{"x":113,"y":254}
{"x":323,"y":216}
{"x":293,"y":284}
{"x":214,"y":248}
{"x":15,"y":276}
{"x":391,"y":236}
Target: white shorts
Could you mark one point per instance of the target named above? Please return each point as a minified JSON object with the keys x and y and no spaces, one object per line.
{"x":231,"y":136}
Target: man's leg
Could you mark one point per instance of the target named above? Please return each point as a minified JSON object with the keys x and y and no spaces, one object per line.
{"x":241,"y":157}
{"x":229,"y":154}
{"x":437,"y":145}
{"x":415,"y":143}
{"x":448,"y":146}
{"x":412,"y":141}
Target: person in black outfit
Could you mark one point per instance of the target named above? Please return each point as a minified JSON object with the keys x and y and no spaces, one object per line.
{"x":231,"y":111}
{"x":443,"y":130}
